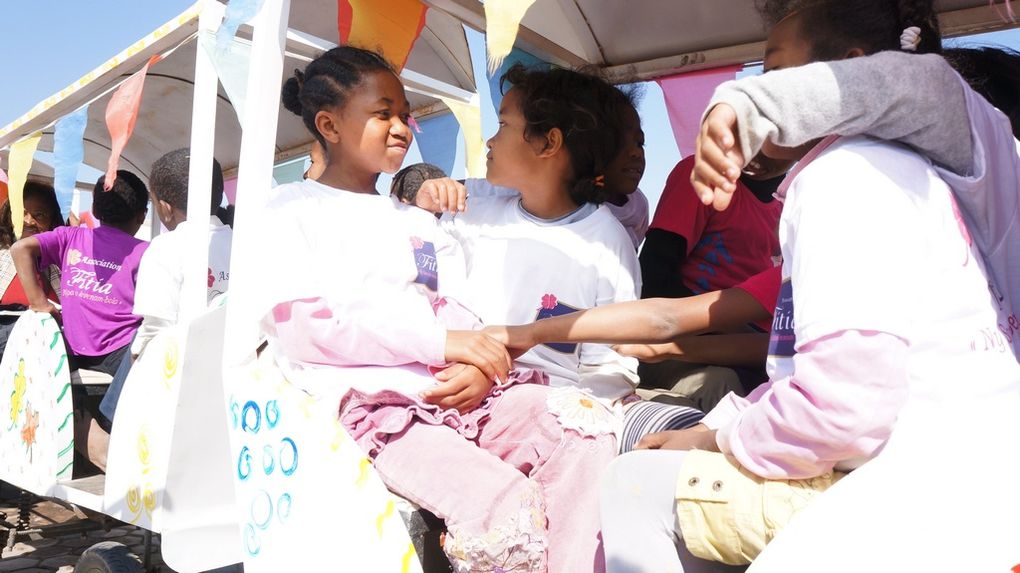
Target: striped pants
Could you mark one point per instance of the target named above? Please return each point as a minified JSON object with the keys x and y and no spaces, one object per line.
{"x":644,"y":417}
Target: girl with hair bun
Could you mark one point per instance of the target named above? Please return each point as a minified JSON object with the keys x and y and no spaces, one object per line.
{"x":360,"y":306}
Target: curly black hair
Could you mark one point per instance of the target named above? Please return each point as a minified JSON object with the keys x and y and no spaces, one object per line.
{"x":169,"y":180}
{"x":994,"y":73}
{"x":837,"y":26}
{"x":408,"y":180}
{"x":586,"y":108}
{"x":327,"y":80}
{"x":32,"y":189}
{"x":123,"y":202}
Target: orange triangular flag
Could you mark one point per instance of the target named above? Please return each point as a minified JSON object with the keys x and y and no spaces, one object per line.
{"x":389,"y":28}
{"x":121,"y":114}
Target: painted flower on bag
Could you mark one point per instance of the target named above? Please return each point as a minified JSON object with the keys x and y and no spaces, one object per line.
{"x":20,"y":385}
{"x":28,"y":430}
{"x":549,"y":301}
{"x":581,"y":412}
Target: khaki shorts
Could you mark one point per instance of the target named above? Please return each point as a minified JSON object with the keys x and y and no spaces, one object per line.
{"x":728,"y":514}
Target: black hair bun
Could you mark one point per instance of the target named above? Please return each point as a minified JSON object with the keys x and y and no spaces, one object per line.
{"x":291,"y":95}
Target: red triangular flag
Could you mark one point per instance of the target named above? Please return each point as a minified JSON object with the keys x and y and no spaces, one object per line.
{"x":121,"y":114}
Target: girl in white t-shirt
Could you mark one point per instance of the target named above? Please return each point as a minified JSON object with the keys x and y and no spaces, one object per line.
{"x":538,"y":240}
{"x":883,"y":314}
{"x":356,"y":308}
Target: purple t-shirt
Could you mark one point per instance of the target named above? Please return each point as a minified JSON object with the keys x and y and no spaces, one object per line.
{"x":97,"y":285}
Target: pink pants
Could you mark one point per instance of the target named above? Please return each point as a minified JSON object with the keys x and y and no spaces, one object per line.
{"x":520,"y":491}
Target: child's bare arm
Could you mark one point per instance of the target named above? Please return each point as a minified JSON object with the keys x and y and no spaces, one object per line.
{"x":25,"y":253}
{"x":746,"y":349}
{"x":648,"y":321}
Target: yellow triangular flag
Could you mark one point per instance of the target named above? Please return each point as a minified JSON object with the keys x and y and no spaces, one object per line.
{"x":19,"y":164}
{"x":502,"y":18}
{"x":469,"y":116}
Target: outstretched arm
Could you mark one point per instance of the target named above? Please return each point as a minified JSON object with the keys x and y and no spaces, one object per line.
{"x":915,"y":99}
{"x":744,"y":349}
{"x":25,"y":253}
{"x":648,"y":321}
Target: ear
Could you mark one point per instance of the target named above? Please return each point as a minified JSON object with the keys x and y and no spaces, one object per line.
{"x":326,"y":122}
{"x":853,"y":53}
{"x":553,"y":143}
{"x":163,"y":209}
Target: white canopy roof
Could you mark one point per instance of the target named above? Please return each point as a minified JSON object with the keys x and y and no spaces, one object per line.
{"x":631,"y":39}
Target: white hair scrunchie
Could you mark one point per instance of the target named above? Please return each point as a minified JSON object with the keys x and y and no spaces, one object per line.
{"x":910,"y":39}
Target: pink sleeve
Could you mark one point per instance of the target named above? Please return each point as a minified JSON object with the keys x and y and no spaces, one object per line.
{"x":840,"y":404}
{"x":731,"y":405}
{"x":317,"y":331}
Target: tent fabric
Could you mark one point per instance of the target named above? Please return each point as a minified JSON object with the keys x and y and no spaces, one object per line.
{"x":686,"y":96}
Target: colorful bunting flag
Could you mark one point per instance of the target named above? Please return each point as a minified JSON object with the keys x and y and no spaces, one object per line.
{"x":515,"y":56}
{"x":121,"y":115}
{"x":502,"y":20}
{"x":230,"y":190}
{"x":389,"y":27}
{"x":232,"y":63}
{"x":20,"y":163}
{"x":238,"y":12}
{"x":686,"y":97}
{"x":469,"y":116}
{"x":3,"y":186}
{"x":68,"y":150}
{"x":437,"y":142}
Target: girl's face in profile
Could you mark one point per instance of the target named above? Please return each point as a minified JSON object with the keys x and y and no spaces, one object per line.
{"x":510,"y":156}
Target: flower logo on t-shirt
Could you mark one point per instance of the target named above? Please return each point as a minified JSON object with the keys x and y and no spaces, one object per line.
{"x":73,"y":257}
{"x":211,"y":279}
{"x":551,"y":306}
{"x":549,"y":301}
{"x":425,"y":260}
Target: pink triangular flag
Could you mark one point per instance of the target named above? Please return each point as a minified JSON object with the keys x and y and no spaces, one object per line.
{"x":686,"y":96}
{"x":121,"y":114}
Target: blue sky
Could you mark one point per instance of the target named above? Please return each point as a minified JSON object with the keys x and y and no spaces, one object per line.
{"x":51,"y":43}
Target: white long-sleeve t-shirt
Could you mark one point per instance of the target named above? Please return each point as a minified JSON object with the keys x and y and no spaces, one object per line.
{"x":883,"y":323}
{"x":353,"y":280}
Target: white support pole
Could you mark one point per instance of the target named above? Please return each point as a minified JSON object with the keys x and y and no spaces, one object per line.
{"x":255,"y":174}
{"x":203,"y":136}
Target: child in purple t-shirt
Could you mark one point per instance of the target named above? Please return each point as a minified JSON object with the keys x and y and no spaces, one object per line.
{"x":98,"y":269}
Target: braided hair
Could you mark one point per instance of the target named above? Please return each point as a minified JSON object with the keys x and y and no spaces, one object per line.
{"x":837,"y":26}
{"x":327,"y":82}
{"x":586,"y":108}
